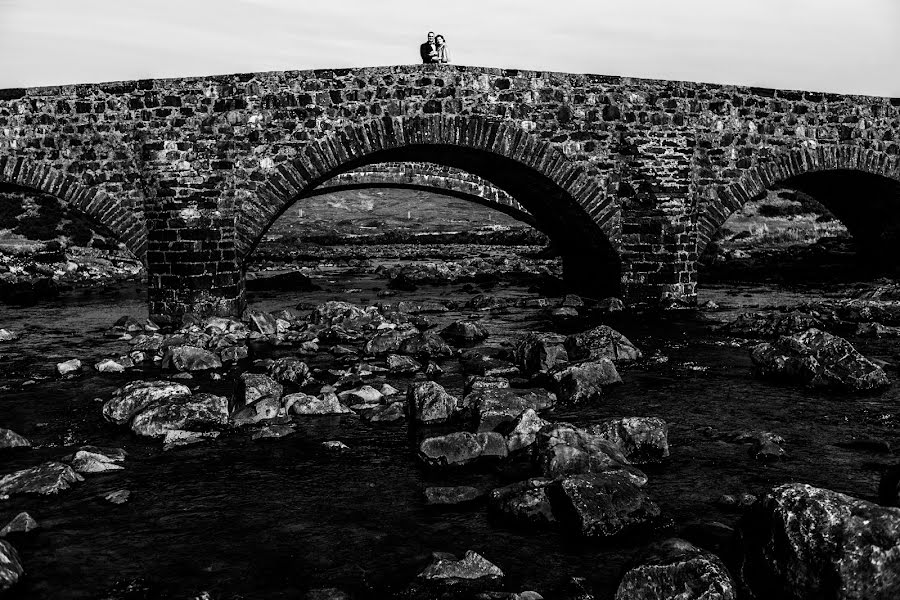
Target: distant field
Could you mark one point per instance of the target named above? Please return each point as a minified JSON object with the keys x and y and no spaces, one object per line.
{"x":378,"y":210}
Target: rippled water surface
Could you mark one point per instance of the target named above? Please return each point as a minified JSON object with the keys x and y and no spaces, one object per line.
{"x":273,"y":518}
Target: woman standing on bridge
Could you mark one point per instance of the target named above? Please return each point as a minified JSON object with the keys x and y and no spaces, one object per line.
{"x":443,"y":56}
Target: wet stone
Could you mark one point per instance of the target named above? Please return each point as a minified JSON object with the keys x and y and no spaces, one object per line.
{"x":21,"y":523}
{"x":10,"y":566}
{"x":601,"y":505}
{"x":451,"y":495}
{"x":47,"y":478}
{"x":675,"y":569}
{"x":523,"y":503}
{"x":11,"y":439}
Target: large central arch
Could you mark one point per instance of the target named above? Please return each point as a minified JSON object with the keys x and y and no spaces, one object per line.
{"x":571,"y":206}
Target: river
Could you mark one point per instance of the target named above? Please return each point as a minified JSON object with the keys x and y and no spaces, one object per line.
{"x":273,"y":518}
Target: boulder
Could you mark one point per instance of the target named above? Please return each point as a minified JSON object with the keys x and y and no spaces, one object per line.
{"x":388,"y":341}
{"x":134,"y":397}
{"x":69,"y":367}
{"x":261,"y":410}
{"x":818,"y":359}
{"x":427,"y":344}
{"x":339,"y":313}
{"x":274,"y":431}
{"x":640,"y":439}
{"x":584,"y":382}
{"x":21,"y":523}
{"x":85,"y":461}
{"x":11,"y":439}
{"x":117,"y":497}
{"x":255,"y":387}
{"x":477,"y":382}
{"x":109,"y":365}
{"x":197,"y":412}
{"x":600,"y":504}
{"x":601,"y":342}
{"x":675,"y":569}
{"x":10,"y":566}
{"x":525,"y":429}
{"x":495,"y":407}
{"x":365,"y":394}
{"x":540,"y":352}
{"x":233,"y":354}
{"x":461,"y":448}
{"x":189,"y":358}
{"x":523,"y":503}
{"x":400,"y":365}
{"x":47,"y":478}
{"x":288,"y":369}
{"x":8,"y":336}
{"x":261,"y":321}
{"x":464,"y":332}
{"x":801,"y":541}
{"x":451,"y":495}
{"x":304,"y":404}
{"x":447,"y":574}
{"x":430,"y":403}
{"x":563,"y":449}
{"x":395,"y":411}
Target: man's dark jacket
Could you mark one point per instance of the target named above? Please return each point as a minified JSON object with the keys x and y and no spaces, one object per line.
{"x":425,"y":50}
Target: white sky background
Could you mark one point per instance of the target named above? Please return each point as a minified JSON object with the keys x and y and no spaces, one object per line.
{"x":850,"y":46}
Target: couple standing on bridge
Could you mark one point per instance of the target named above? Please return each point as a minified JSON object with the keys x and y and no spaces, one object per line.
{"x":434,"y":50}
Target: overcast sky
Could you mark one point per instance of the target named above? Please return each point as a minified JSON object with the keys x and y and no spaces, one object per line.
{"x":850,"y":46}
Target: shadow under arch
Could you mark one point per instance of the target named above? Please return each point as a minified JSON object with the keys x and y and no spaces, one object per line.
{"x":833,"y":175}
{"x":127,"y":227}
{"x":571,"y":207}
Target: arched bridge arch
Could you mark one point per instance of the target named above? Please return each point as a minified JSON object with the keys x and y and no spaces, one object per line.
{"x":429,"y":177}
{"x":128,"y":227}
{"x":571,"y":206}
{"x":836,"y":176}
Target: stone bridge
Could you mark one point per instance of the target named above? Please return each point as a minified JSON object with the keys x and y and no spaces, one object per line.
{"x":630,"y":178}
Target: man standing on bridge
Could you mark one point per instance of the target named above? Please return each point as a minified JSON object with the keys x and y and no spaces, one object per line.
{"x":428,"y":50}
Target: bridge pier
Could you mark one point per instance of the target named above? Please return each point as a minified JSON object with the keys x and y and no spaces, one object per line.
{"x":191,"y":262}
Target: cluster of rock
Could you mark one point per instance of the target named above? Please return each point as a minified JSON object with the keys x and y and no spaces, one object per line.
{"x":464,"y":270}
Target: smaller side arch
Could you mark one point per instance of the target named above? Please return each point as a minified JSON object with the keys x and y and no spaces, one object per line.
{"x":128,"y":227}
{"x":756,"y":180}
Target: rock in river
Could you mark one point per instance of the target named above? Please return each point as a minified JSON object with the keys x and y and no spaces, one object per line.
{"x":602,"y":342}
{"x":600,"y":504}
{"x":47,"y":478}
{"x":641,"y":439}
{"x":675,"y":569}
{"x":451,"y":495}
{"x":801,"y":541}
{"x":429,"y":402}
{"x":189,"y":358}
{"x":461,"y":447}
{"x":523,"y":503}
{"x":818,"y":359}
{"x":464,"y":332}
{"x":304,"y":404}
{"x":494,"y":407}
{"x":584,"y":382}
{"x":11,"y":439}
{"x":134,"y":397}
{"x":289,"y":369}
{"x":197,"y":412}
{"x":21,"y":523}
{"x":540,"y":352}
{"x":447,"y":574}
{"x":255,"y":386}
{"x":10,"y":566}
{"x":563,"y":449}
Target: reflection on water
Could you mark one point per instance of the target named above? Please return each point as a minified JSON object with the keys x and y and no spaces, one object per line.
{"x":272,"y":518}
